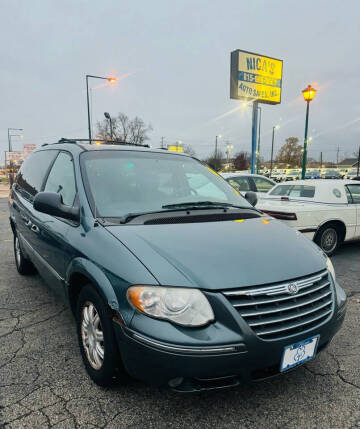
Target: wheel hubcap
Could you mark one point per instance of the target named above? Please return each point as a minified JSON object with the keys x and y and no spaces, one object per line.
{"x":92,"y":335}
{"x":17,"y":251}
{"x":329,"y":240}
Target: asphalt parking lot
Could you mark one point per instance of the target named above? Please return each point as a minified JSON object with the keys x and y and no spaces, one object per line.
{"x":43,"y":382}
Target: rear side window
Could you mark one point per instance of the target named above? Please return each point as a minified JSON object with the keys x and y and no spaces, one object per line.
{"x":61,"y":179}
{"x":33,"y":171}
{"x":262,"y":185}
{"x":354,"y":191}
{"x":303,"y":191}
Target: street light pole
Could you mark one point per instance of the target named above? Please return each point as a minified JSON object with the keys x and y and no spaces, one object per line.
{"x":109,"y":79}
{"x":258,"y":148}
{"x":309,"y":94}
{"x":272,"y":150}
{"x":303,"y":171}
{"x":216,"y":151}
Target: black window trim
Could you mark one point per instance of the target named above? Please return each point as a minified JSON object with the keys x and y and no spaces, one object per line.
{"x":255,"y":189}
{"x":76,"y":198}
{"x":29,"y":197}
{"x":52,"y":164}
{"x":348,"y":187}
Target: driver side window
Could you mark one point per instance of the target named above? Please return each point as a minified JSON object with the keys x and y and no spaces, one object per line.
{"x":61,"y":179}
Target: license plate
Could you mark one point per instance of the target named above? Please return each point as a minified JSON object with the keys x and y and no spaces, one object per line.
{"x":299,"y":353}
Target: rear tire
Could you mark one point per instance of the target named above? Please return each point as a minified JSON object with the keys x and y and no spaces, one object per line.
{"x":96,"y":337}
{"x":328,"y":238}
{"x":23,"y":265}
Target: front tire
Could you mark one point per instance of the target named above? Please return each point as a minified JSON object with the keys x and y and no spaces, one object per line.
{"x":23,"y":265}
{"x":328,"y":239}
{"x":96,"y":337}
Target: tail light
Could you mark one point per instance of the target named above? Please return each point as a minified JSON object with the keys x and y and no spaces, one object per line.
{"x":281,"y":215}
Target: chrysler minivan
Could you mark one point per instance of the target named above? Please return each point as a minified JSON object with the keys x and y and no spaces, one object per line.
{"x":173,"y":277}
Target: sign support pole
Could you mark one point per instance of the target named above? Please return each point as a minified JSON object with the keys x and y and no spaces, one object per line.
{"x":254,"y":136}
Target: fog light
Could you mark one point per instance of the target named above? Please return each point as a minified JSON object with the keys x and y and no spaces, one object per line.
{"x":175,"y":382}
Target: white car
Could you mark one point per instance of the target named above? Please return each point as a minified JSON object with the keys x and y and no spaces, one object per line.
{"x":245,"y":182}
{"x":326,"y":211}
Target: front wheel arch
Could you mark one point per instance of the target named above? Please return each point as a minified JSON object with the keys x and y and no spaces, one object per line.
{"x":82,"y":272}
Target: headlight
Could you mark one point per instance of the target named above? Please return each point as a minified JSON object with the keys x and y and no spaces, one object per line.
{"x":187,"y":307}
{"x":330,"y":267}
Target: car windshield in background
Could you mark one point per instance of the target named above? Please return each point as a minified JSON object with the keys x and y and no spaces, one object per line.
{"x":294,"y":191}
{"x":122,"y":182}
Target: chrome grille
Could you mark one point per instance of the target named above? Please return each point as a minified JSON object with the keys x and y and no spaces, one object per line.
{"x":273,"y":313}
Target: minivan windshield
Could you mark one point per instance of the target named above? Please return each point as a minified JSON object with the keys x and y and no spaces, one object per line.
{"x":122,"y":182}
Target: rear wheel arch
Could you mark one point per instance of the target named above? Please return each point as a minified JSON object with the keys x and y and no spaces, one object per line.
{"x":330,"y":235}
{"x":340,"y":226}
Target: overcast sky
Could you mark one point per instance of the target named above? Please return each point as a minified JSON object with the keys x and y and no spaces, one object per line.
{"x":174,"y":56}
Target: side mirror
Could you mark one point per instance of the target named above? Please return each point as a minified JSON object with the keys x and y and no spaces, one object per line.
{"x":251,"y":197}
{"x":51,"y":204}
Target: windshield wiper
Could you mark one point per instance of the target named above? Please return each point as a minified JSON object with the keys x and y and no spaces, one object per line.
{"x":182,"y":206}
{"x":203,"y":204}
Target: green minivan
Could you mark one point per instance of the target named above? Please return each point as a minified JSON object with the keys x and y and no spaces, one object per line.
{"x":173,"y":277}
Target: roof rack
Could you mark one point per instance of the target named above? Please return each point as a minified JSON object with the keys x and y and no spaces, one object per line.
{"x":109,"y":142}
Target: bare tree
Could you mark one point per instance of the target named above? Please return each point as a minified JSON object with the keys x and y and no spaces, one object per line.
{"x":216,"y":161}
{"x":290,"y":153}
{"x":138,"y":131}
{"x":133,"y":131}
{"x":189,"y":150}
{"x":242,"y":161}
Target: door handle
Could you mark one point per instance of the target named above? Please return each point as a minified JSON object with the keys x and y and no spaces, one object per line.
{"x":28,"y":223}
{"x":23,"y":217}
{"x":35,"y":229}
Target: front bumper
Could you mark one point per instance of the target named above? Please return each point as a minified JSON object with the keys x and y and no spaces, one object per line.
{"x":206,"y":363}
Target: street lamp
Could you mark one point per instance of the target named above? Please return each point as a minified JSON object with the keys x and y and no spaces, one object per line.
{"x":309,"y":94}
{"x":107,"y":116}
{"x":109,"y":79}
{"x":216,"y":151}
{"x":275,"y":127}
{"x":10,"y":150}
{"x":229,"y":148}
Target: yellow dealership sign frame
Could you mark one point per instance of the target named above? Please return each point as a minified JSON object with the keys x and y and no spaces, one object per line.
{"x":255,"y":77}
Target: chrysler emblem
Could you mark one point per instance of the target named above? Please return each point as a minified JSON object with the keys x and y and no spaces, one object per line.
{"x":292,"y":289}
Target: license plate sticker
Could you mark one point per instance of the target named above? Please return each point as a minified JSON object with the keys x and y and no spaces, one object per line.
{"x":299,"y":353}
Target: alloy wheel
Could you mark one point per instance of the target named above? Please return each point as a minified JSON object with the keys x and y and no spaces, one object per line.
{"x":17,"y":251}
{"x":329,"y":240}
{"x":92,"y":335}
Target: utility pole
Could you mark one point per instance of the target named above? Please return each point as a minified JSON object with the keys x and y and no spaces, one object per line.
{"x":358,"y":163}
{"x":162,"y":142}
{"x":216,"y":152}
{"x":320,"y":160}
{"x":337,"y":157}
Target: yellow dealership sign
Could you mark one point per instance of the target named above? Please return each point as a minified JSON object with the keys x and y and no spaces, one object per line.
{"x":176,"y":148}
{"x":255,"y":77}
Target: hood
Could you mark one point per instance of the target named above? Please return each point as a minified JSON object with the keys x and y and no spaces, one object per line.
{"x":221,"y":255}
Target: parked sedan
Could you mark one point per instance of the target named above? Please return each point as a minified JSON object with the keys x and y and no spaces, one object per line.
{"x":249,"y":182}
{"x":352,"y":174}
{"x":172,"y":276}
{"x":292,"y":175}
{"x":332,"y":174}
{"x":327,"y":211}
{"x":315,"y":174}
